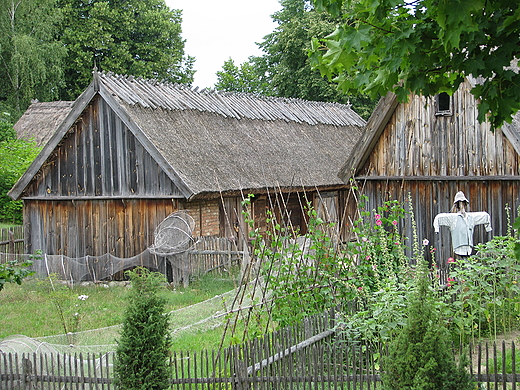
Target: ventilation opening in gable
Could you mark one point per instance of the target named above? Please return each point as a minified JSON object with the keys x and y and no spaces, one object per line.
{"x":443,"y":104}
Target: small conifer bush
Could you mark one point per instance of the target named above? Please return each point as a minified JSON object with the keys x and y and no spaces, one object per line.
{"x":421,"y":356}
{"x":142,"y":353}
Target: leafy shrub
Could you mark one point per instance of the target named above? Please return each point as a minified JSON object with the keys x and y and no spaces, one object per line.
{"x":13,"y":272}
{"x":15,"y":157}
{"x":486,"y":290}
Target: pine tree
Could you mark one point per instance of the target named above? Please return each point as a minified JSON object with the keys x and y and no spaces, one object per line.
{"x":143,"y":347}
{"x":421,"y":357}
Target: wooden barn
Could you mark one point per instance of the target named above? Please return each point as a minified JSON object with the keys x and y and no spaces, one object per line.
{"x":128,"y":152}
{"x":431,"y":148}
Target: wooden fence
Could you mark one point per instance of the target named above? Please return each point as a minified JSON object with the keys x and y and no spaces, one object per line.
{"x":308,"y":356}
{"x":11,"y":240}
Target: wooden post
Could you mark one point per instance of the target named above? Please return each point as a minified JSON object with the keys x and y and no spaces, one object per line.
{"x":245,"y":265}
{"x":11,"y":241}
{"x":185,"y":269}
{"x":27,"y":371}
{"x":241,"y":375}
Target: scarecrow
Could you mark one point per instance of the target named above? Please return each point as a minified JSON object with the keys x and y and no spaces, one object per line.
{"x":461,"y":223}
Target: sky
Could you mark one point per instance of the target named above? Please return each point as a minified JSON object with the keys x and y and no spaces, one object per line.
{"x":217,"y":30}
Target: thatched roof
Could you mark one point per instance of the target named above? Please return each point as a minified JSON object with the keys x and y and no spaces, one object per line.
{"x":223,"y":141}
{"x":213,"y":141}
{"x":174,"y":97}
{"x":41,"y":120}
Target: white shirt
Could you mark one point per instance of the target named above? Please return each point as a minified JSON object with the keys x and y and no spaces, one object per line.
{"x":461,"y":227}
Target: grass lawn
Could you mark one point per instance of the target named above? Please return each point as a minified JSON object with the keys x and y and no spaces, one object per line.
{"x":34,"y":309}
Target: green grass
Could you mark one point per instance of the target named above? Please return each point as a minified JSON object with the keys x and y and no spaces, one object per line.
{"x":35,"y":310}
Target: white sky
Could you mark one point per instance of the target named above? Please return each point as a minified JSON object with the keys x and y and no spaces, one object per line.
{"x":217,"y":30}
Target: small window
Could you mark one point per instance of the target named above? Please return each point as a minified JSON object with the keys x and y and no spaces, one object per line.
{"x":443,"y":104}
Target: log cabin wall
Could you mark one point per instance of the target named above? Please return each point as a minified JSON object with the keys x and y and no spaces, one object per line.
{"x":431,"y":156}
{"x":99,"y":192}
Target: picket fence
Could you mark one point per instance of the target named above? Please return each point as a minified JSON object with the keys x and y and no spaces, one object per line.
{"x":310,"y":355}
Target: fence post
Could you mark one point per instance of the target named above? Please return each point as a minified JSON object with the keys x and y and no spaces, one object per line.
{"x":241,"y":372}
{"x":27,"y":371}
{"x":11,"y":241}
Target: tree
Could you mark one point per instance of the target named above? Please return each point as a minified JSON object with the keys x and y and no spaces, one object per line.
{"x":425,"y":47}
{"x":15,"y":157}
{"x":135,"y":37}
{"x":243,"y":79}
{"x":285,"y":67}
{"x":143,"y":347}
{"x":30,"y":56}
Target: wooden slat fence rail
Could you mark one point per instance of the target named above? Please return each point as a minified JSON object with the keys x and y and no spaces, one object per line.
{"x":308,"y":356}
{"x":11,"y":240}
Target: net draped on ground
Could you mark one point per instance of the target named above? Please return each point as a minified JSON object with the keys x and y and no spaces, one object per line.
{"x":199,"y":317}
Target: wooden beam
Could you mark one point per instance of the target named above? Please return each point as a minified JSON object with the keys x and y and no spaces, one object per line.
{"x":438,"y":178}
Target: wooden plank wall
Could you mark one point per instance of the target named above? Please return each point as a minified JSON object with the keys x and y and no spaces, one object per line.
{"x":76,"y":228}
{"x":417,"y":142}
{"x":100,"y":157}
{"x":99,"y":192}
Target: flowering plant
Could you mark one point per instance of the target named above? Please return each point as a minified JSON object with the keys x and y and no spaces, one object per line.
{"x":379,"y":246}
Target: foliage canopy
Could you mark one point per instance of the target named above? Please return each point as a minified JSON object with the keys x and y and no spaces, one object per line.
{"x":136,"y":37}
{"x":425,"y":47}
{"x":30,"y":55}
{"x":285,"y":69}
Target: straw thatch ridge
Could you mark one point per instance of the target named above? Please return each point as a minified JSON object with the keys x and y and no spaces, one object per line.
{"x":154,"y":94}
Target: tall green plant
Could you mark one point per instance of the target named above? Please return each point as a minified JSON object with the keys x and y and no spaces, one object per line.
{"x":305,"y":275}
{"x":420,"y":357}
{"x":379,"y":246}
{"x":485,"y":289}
{"x":143,"y":348}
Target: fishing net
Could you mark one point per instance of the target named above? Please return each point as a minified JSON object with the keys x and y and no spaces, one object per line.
{"x":174,"y":234}
{"x":172,"y":237}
